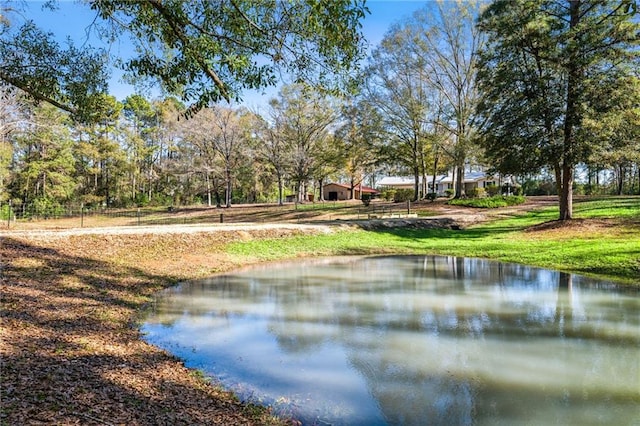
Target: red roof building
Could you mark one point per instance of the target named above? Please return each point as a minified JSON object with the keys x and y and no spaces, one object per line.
{"x":340,"y":191}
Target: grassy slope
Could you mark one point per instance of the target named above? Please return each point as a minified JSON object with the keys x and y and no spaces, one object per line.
{"x":603,"y":241}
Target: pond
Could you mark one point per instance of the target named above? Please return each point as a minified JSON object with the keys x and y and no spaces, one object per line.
{"x":412,"y":340}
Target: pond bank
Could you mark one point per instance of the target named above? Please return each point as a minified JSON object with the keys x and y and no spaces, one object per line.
{"x":71,"y":352}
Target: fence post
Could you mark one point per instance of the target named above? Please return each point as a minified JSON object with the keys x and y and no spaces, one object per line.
{"x":9,"y":215}
{"x":138,"y":216}
{"x":408,"y":207}
{"x":221,"y":217}
{"x":82,"y":215}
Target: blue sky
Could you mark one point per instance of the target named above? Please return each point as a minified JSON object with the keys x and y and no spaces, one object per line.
{"x":72,"y":19}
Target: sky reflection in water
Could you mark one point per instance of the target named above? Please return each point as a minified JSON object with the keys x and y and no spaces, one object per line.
{"x":412,"y":340}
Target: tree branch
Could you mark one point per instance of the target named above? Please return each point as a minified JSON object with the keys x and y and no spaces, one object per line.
{"x":37,"y":95}
{"x":186,"y":45}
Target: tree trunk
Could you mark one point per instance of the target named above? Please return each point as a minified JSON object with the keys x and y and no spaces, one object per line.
{"x":424,"y":186}
{"x":570,"y":121}
{"x":566,"y":198}
{"x":320,"y":185}
{"x":300,"y":190}
{"x":208,"y":180}
{"x":352,"y":185}
{"x":459,"y":187}
{"x":227,"y":179}
{"x":416,"y":183}
{"x":216,"y":191}
{"x":280,"y":189}
{"x":150,"y":182}
{"x":133,"y":187}
{"x":620,"y":181}
{"x":106,"y":186}
{"x":435,"y":171}
{"x":558,"y":174}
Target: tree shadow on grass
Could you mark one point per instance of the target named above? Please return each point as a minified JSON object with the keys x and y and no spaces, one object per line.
{"x":70,"y":353}
{"x":471,"y":233}
{"x":584,"y":255}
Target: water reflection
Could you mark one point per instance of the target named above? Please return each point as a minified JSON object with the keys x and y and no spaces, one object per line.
{"x":413,"y":340}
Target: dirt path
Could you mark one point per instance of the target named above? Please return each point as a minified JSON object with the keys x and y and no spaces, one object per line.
{"x":164,"y":229}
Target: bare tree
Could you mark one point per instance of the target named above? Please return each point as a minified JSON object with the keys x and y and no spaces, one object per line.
{"x":219,"y":136}
{"x":272,"y":148}
{"x":302,"y":118}
{"x":447,"y":40}
{"x":397,"y":89}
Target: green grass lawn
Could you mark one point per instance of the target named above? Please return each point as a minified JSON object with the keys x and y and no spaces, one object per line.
{"x":603,"y":241}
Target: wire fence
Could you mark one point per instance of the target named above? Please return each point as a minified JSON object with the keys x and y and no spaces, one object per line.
{"x":71,"y":216}
{"x":80,"y":216}
{"x":44,"y":212}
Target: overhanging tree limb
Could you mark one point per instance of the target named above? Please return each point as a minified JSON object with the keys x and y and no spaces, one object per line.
{"x":37,"y":94}
{"x":176,"y":28}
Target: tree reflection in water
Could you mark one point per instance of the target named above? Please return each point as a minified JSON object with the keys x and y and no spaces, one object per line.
{"x":413,"y":340}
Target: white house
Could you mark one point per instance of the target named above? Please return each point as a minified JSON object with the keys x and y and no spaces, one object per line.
{"x":472,"y":180}
{"x":397,"y":182}
{"x":443,"y":182}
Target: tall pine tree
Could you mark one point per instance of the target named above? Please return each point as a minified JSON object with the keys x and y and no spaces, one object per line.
{"x":539,"y":73}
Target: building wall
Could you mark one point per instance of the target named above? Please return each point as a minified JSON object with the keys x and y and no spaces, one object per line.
{"x":400,"y":186}
{"x":342,"y":192}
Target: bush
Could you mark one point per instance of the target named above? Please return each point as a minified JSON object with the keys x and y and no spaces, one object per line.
{"x":535,"y":187}
{"x":490,"y":202}
{"x":388,"y":194}
{"x":142,"y":200}
{"x":44,"y":207}
{"x":514,"y":200}
{"x":450,"y":192}
{"x":161,"y":200}
{"x":492,"y":190}
{"x":366,"y":199}
{"x":5,"y":212}
{"x":402,"y":195}
{"x":91,"y":201}
{"x":476,"y":193}
{"x":431,"y":196}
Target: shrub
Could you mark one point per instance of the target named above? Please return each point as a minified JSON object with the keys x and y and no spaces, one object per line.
{"x":490,"y":202}
{"x":476,"y":193}
{"x":161,"y":200}
{"x":142,"y":200}
{"x":366,"y":199}
{"x":514,"y":200}
{"x":534,"y":187}
{"x":431,"y":196}
{"x":402,"y":195}
{"x":388,"y":194}
{"x":579,"y":189}
{"x":44,"y":207}
{"x":450,"y":192}
{"x":492,"y":190}
{"x":5,"y":212}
